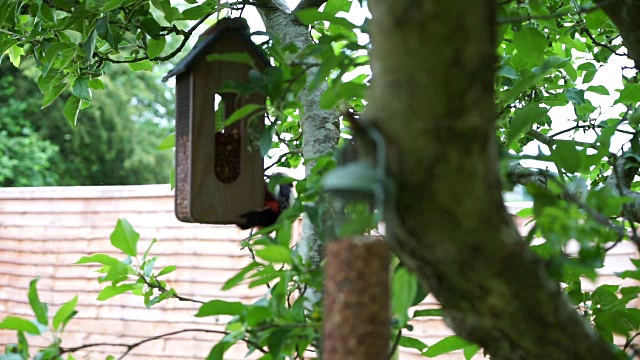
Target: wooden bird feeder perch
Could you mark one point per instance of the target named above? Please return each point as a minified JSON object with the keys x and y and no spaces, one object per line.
{"x":218,"y":174}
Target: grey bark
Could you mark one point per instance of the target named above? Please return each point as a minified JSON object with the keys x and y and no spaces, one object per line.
{"x":432,"y":97}
{"x":320,"y":128}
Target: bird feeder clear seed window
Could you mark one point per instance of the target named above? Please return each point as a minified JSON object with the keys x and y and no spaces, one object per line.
{"x":219,"y":175}
{"x":227,"y":140}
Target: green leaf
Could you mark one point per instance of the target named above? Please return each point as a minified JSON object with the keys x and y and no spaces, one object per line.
{"x":217,"y":352}
{"x":630,"y":274}
{"x":89,"y":45}
{"x":19,"y":324}
{"x":553,"y":62}
{"x":589,"y":70}
{"x":266,"y":139}
{"x":103,"y":259}
{"x":111,"y":4}
{"x":155,"y":47}
{"x":276,"y":340}
{"x":508,"y":72}
{"x":530,"y":43}
{"x":283,"y":235}
{"x":239,"y":277}
{"x":446,"y":345}
{"x":15,"y":54}
{"x":103,"y":29}
{"x":470,"y":351}
{"x":117,"y":273}
{"x":412,"y":343}
{"x":147,"y":266}
{"x":80,"y":88}
{"x":46,"y":14}
{"x":146,"y":252}
{"x":576,"y":96}
{"x":125,"y":238}
{"x":199,"y":11}
{"x":309,"y":16}
{"x":242,"y":58}
{"x":404,"y":286}
{"x":598,"y":89}
{"x":53,"y":92}
{"x":168,"y":143}
{"x":333,"y":7}
{"x":171,"y":13}
{"x":220,"y":307}
{"x":23,"y":345}
{"x":630,"y":94}
{"x":96,"y":84}
{"x":613,"y":321}
{"x":64,"y":313}
{"x":167,"y":270}
{"x":151,"y":26}
{"x":5,"y":45}
{"x":525,"y":213}
{"x":524,"y":118}
{"x":111,"y":291}
{"x":72,"y":109}
{"x":243,"y":112}
{"x":342,"y":91}
{"x":39,"y":308}
{"x":275,"y":254}
{"x":428,"y":312}
{"x":568,"y":157}
{"x":144,"y":65}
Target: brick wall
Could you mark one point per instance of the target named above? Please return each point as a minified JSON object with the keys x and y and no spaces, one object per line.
{"x":43,"y":231}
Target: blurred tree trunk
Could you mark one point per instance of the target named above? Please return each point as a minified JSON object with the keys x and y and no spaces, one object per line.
{"x":432,"y":97}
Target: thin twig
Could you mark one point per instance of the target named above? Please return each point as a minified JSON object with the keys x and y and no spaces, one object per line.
{"x":549,"y":141}
{"x":588,"y":126}
{"x":281,"y":157}
{"x":12,"y":34}
{"x":162,"y":289}
{"x":132,"y":346}
{"x":595,"y":215}
{"x":586,"y":31}
{"x":186,"y":36}
{"x":305,"y":68}
{"x":630,"y":340}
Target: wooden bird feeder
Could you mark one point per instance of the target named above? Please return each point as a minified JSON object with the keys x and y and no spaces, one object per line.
{"x":218,"y":174}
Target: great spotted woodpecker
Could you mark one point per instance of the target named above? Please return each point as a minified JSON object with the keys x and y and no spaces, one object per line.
{"x":275,"y":204}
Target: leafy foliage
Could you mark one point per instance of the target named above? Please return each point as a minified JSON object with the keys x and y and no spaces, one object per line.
{"x":550,"y":57}
{"x":42,"y":150}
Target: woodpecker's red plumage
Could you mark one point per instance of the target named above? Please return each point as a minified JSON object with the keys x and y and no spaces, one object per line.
{"x":273,"y":207}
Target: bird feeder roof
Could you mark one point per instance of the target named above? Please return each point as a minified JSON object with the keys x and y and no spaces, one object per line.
{"x":210,"y":36}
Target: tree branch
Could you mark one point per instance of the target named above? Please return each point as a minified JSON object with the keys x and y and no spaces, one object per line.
{"x":549,"y":141}
{"x":186,"y":36}
{"x":281,"y":157}
{"x":130,"y":347}
{"x":447,"y":220}
{"x":162,"y":289}
{"x":273,"y":5}
{"x":624,"y":15}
